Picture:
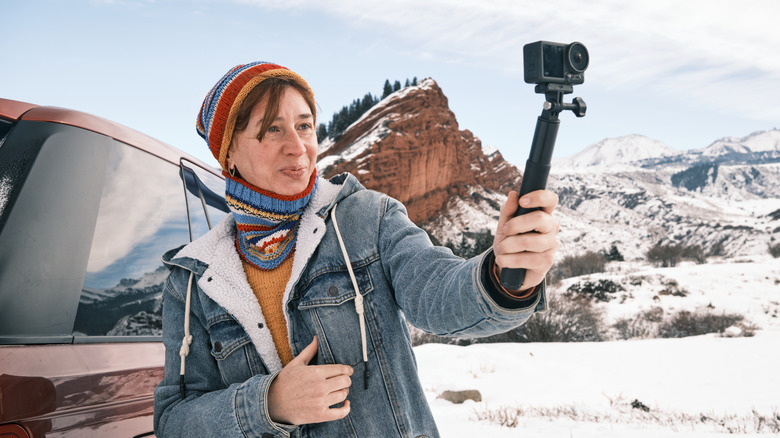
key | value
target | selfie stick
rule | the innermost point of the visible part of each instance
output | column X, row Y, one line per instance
column 537, row 168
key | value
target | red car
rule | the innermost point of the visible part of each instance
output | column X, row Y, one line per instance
column 87, row 206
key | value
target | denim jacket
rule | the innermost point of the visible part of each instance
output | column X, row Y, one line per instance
column 401, row 277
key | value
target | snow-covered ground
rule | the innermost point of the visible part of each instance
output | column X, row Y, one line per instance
column 703, row 386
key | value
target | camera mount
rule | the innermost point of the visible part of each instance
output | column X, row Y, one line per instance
column 554, row 99
column 555, row 69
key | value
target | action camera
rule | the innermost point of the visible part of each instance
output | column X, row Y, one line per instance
column 547, row 62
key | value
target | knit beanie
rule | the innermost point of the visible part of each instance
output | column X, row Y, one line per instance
column 217, row 116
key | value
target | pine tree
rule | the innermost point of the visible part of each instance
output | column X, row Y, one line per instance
column 367, row 103
column 341, row 123
column 397, row 86
column 352, row 113
column 322, row 132
column 388, row 89
column 414, row 81
column 407, row 83
column 614, row 255
column 349, row 114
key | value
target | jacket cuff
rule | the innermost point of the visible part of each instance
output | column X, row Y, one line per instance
column 252, row 409
column 500, row 295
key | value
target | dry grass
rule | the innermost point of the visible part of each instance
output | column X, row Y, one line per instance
column 636, row 412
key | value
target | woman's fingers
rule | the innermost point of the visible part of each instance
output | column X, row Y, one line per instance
column 544, row 199
column 337, row 397
column 536, row 221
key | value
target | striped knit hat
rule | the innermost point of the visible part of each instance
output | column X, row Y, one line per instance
column 217, row 116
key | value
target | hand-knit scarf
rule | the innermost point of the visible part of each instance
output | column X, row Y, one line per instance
column 266, row 223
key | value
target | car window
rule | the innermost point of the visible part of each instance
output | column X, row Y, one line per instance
column 84, row 220
column 142, row 214
column 205, row 197
column 54, row 175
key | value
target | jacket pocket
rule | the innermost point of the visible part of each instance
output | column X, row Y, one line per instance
column 328, row 305
column 234, row 352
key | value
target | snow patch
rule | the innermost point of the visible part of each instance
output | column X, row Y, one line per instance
column 489, row 150
column 361, row 145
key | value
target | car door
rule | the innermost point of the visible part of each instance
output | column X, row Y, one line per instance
column 84, row 218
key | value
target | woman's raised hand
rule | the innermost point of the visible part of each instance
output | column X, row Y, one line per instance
column 528, row 241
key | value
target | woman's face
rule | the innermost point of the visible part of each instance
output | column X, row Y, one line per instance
column 284, row 160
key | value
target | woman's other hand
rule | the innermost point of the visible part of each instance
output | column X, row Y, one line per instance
column 303, row 393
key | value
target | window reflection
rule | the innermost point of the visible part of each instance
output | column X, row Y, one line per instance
column 142, row 215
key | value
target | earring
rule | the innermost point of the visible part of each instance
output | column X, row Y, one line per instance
column 232, row 171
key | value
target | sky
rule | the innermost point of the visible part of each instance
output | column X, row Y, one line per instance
column 683, row 72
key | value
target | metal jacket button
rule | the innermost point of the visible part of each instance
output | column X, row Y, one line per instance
column 217, row 346
column 333, row 291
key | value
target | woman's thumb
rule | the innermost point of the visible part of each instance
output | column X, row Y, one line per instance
column 308, row 353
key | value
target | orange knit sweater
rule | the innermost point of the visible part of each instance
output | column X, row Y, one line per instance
column 268, row 287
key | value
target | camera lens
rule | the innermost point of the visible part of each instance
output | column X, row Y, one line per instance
column 577, row 56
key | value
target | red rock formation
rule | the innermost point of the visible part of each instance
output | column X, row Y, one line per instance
column 409, row 146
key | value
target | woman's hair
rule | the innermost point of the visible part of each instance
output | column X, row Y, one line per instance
column 272, row 88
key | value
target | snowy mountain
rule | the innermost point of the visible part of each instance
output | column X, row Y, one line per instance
column 724, row 198
column 640, row 151
column 765, row 141
column 619, row 151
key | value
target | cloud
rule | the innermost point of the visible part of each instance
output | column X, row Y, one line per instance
column 718, row 53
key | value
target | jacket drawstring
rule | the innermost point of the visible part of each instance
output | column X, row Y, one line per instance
column 187, row 340
column 358, row 300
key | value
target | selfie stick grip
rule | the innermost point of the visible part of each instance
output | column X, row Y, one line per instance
column 537, row 169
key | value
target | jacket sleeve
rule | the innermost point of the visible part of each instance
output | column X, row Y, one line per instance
column 209, row 407
column 440, row 292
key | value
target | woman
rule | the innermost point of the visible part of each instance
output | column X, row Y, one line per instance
column 289, row 317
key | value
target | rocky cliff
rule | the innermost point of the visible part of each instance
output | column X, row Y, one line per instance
column 410, row 147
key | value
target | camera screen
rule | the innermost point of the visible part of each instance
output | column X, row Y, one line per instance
column 553, row 60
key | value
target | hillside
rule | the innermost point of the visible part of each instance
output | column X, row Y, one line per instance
column 730, row 214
